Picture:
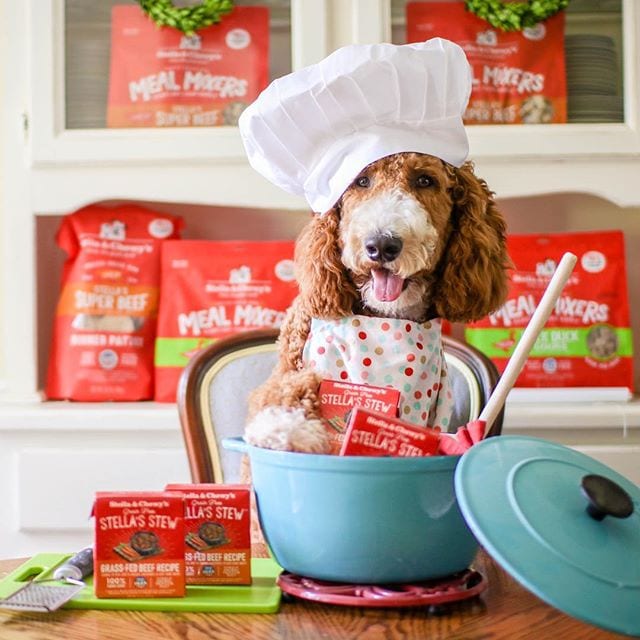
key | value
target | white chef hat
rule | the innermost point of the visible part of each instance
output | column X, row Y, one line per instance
column 311, row 132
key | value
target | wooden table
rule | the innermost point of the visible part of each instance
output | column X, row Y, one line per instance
column 504, row 610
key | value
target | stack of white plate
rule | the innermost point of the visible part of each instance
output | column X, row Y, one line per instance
column 592, row 79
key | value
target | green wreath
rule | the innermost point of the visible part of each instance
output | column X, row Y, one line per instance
column 187, row 19
column 515, row 16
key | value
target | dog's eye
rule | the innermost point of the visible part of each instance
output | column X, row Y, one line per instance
column 423, row 181
column 363, row 181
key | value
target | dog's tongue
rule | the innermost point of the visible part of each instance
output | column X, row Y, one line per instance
column 386, row 285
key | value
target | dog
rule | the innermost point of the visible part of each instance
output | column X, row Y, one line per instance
column 412, row 238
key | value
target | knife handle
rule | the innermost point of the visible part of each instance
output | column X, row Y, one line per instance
column 77, row 567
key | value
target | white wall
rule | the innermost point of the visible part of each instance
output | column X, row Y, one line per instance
column 3, row 58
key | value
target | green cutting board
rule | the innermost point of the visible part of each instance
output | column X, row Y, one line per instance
column 262, row 596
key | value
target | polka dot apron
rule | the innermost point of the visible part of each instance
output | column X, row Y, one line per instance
column 386, row 352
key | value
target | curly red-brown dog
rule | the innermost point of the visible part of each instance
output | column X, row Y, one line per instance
column 413, row 239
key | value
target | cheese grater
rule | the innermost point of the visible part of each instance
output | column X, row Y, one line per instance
column 52, row 593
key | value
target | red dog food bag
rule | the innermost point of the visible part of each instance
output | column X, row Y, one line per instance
column 162, row 78
column 518, row 77
column 105, row 321
column 138, row 550
column 587, row 340
column 217, row 540
column 212, row 289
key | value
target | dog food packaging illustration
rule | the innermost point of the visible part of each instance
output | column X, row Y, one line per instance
column 217, row 541
column 403, row 355
column 162, row 78
column 373, row 434
column 214, row 289
column 139, row 544
column 105, row 321
column 587, row 341
column 518, row 77
column 338, row 399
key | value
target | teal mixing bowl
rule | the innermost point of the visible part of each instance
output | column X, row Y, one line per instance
column 360, row 519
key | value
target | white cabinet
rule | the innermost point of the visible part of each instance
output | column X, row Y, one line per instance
column 50, row 169
column 54, row 457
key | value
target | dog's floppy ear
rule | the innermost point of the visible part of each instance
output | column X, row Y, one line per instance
column 473, row 271
column 326, row 290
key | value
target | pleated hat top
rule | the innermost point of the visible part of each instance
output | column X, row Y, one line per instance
column 312, row 131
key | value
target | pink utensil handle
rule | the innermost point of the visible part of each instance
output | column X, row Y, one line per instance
column 527, row 340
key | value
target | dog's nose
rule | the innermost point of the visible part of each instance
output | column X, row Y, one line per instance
column 383, row 248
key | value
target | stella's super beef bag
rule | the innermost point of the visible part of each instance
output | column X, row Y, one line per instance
column 213, row 289
column 518, row 77
column 105, row 321
column 587, row 340
column 161, row 78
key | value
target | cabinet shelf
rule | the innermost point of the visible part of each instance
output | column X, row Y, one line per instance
column 89, row 417
column 556, row 159
column 106, row 148
column 154, row 416
column 573, row 415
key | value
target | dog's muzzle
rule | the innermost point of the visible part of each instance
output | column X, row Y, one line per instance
column 381, row 248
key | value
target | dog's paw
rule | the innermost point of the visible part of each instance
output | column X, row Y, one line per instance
column 287, row 391
column 287, row 430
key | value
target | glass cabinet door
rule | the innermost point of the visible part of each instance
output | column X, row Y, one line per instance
column 70, row 52
column 581, row 63
column 88, row 38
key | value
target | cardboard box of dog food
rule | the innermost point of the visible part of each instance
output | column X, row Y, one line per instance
column 371, row 434
column 139, row 538
column 337, row 399
column 217, row 537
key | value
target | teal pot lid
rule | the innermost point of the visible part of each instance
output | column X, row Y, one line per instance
column 564, row 525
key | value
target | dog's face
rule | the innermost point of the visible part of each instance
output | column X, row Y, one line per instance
column 412, row 237
column 394, row 225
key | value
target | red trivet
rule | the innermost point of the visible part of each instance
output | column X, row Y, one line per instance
column 460, row 586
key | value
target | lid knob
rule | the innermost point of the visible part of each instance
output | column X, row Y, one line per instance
column 606, row 498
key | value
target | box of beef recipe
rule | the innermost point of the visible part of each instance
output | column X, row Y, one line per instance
column 138, row 551
column 217, row 536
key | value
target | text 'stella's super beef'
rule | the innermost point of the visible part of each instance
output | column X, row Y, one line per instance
column 105, row 322
column 213, row 289
column 162, row 78
column 587, row 340
column 518, row 76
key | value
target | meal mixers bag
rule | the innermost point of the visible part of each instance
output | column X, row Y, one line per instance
column 587, row 340
column 105, row 321
column 518, row 77
column 161, row 78
column 213, row 289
